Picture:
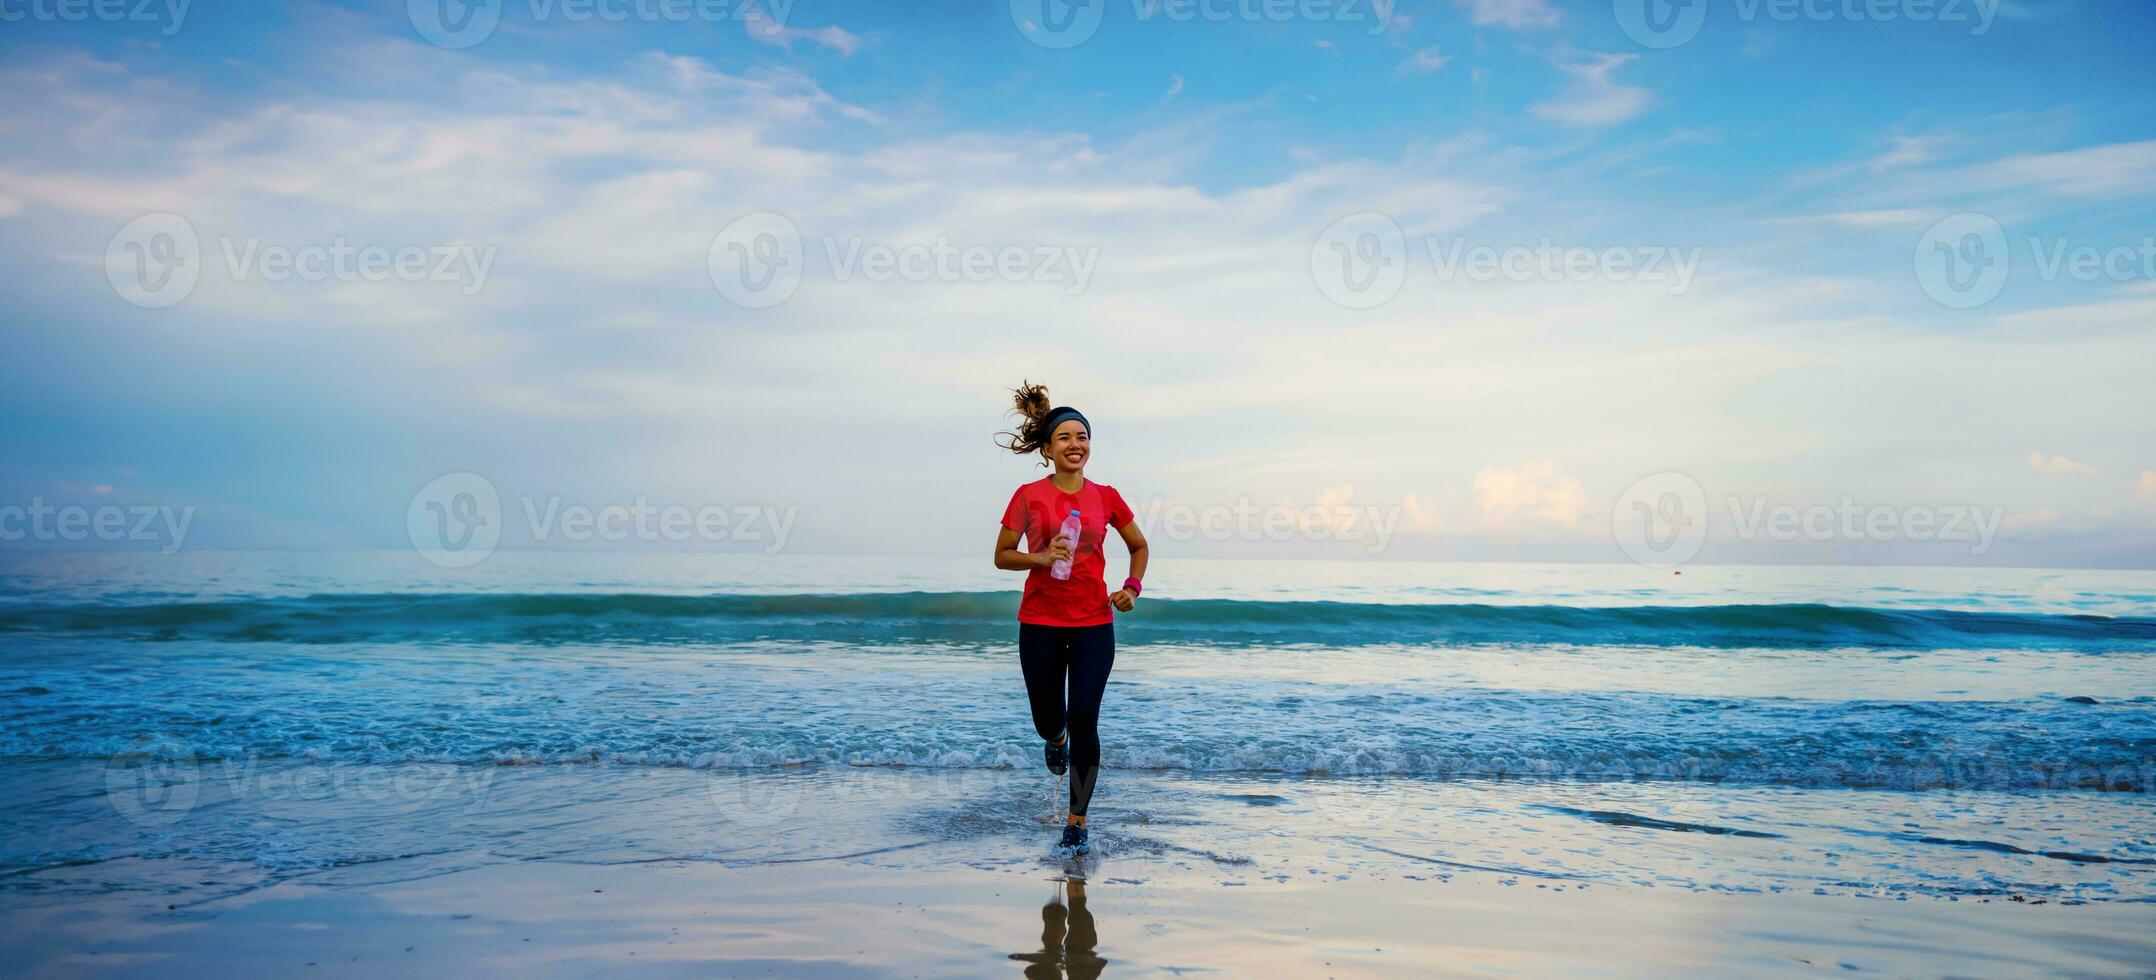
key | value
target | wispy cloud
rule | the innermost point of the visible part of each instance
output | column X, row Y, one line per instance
column 1907, row 151
column 1423, row 62
column 2109, row 171
column 764, row 28
column 1594, row 99
column 1881, row 218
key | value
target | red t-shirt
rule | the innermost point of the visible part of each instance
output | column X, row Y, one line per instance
column 1037, row 511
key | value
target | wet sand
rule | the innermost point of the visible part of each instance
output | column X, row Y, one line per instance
column 845, row 917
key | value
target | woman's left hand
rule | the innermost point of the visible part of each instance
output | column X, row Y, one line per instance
column 1122, row 600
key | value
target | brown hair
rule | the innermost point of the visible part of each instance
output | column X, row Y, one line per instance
column 1030, row 404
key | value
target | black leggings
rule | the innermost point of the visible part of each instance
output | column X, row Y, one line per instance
column 1086, row 654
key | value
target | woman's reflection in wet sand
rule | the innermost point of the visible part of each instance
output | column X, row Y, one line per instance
column 1067, row 939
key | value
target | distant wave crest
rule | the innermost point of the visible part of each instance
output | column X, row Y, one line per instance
column 983, row 616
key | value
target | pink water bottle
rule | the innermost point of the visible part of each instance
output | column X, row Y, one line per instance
column 1061, row 570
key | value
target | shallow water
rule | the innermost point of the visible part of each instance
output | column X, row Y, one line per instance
column 200, row 724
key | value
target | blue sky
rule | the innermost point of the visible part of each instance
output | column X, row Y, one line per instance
column 1803, row 157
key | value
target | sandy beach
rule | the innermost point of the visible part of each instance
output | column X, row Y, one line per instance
column 598, row 870
column 840, row 917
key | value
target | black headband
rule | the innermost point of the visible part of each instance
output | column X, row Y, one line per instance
column 1057, row 416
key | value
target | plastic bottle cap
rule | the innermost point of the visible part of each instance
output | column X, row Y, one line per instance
column 1074, row 513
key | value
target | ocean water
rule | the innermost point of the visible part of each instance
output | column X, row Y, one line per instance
column 202, row 724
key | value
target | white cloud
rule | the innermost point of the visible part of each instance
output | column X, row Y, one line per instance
column 1535, row 490
column 1175, row 87
column 9, row 207
column 764, row 29
column 1510, row 13
column 1423, row 62
column 2147, row 486
column 1594, row 99
column 1879, row 218
column 2110, row 171
column 2059, row 466
column 1908, row 151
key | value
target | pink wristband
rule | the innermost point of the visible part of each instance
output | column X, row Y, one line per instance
column 1136, row 587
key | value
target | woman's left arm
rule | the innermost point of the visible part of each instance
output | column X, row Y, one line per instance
column 1133, row 539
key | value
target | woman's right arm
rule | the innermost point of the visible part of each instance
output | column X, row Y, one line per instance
column 1010, row 559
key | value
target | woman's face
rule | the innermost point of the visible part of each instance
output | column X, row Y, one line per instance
column 1068, row 446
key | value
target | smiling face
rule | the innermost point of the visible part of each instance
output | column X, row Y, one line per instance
column 1068, row 446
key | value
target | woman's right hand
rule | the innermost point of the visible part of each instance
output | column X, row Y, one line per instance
column 1058, row 550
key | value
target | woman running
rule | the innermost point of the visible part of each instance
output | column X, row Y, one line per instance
column 1066, row 627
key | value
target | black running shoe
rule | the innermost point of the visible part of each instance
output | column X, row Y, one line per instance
column 1073, row 837
column 1059, row 757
